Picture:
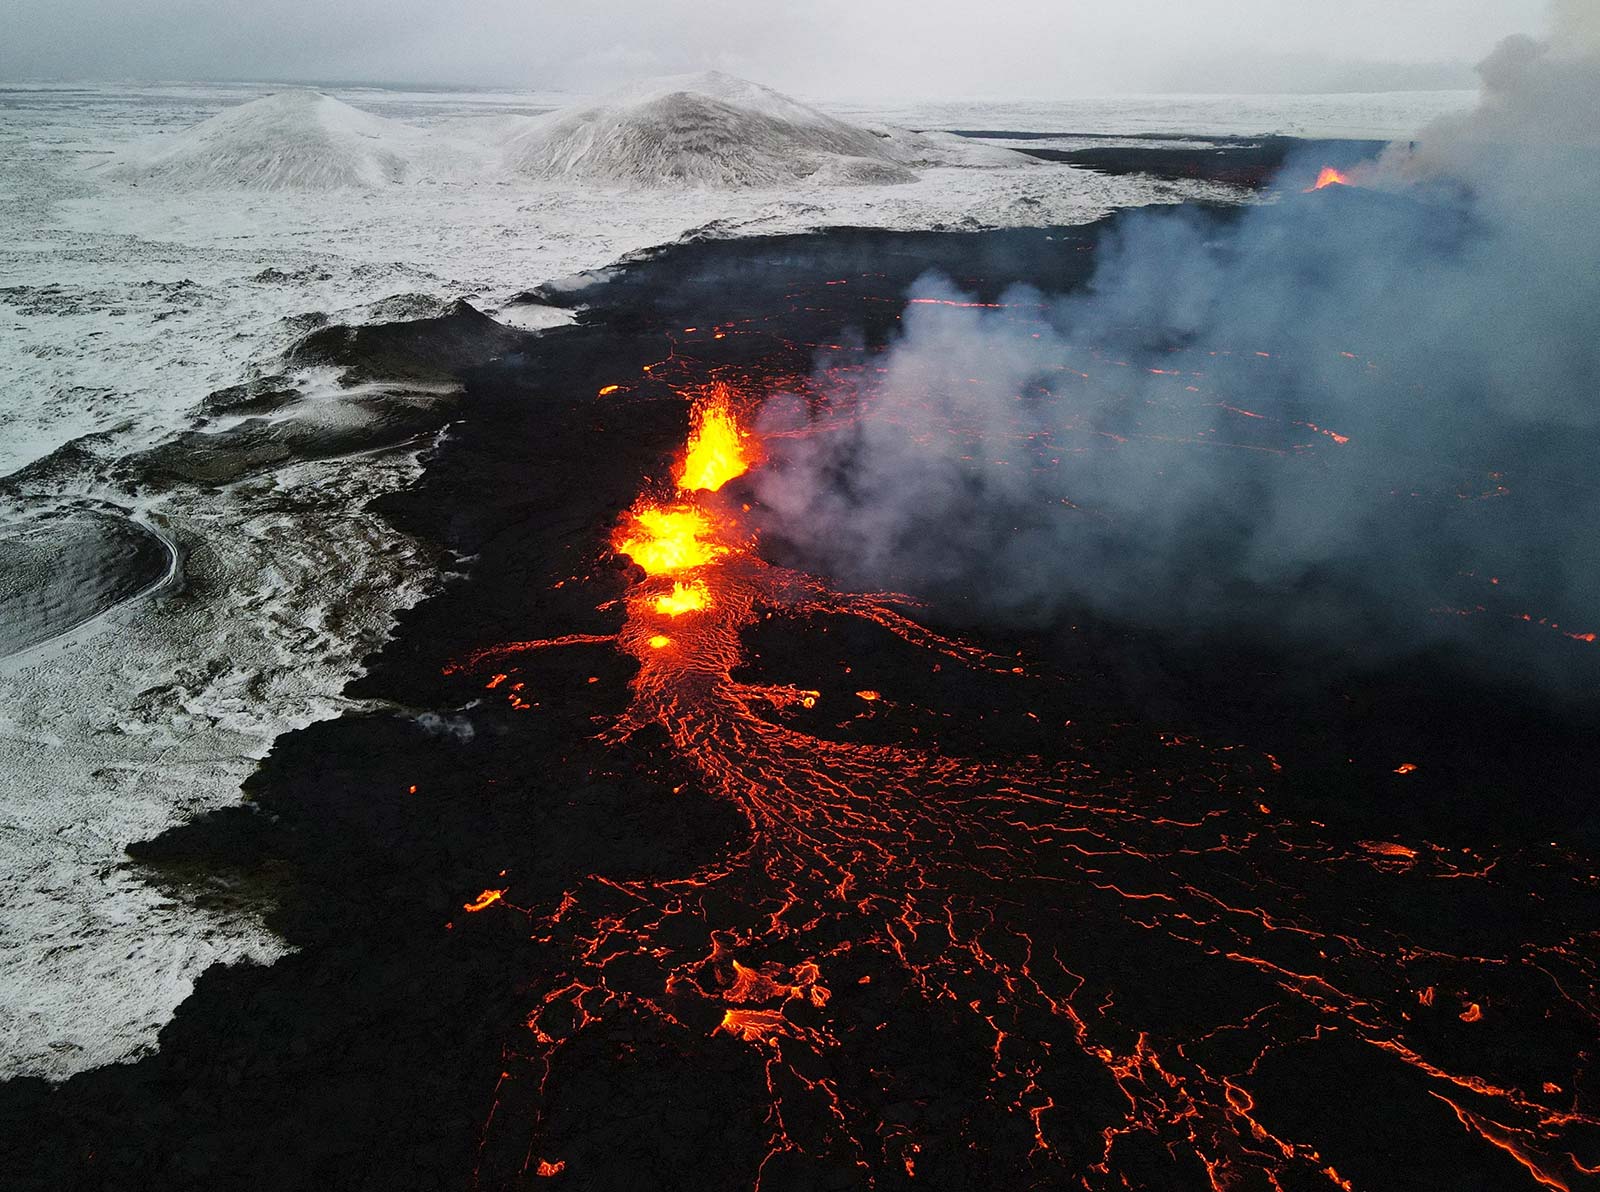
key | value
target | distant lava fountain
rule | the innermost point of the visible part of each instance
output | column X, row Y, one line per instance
column 1019, row 903
column 1329, row 177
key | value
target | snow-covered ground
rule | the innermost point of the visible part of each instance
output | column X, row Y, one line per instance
column 123, row 305
column 125, row 302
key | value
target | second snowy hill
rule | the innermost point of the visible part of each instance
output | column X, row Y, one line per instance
column 711, row 130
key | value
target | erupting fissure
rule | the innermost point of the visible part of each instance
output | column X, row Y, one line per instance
column 1329, row 177
column 718, row 449
column 878, row 876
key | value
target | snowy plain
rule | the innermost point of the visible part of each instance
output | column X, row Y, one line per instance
column 122, row 306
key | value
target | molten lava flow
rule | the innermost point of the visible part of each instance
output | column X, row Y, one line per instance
column 668, row 539
column 1329, row 177
column 717, row 451
column 754, row 1026
column 483, row 901
column 997, row 898
column 684, row 598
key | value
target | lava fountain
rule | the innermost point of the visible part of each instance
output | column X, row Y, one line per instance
column 1329, row 177
column 718, row 450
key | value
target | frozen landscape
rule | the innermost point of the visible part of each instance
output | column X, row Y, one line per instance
column 164, row 243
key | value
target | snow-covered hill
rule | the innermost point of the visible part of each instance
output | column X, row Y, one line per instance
column 709, row 131
column 295, row 140
column 699, row 130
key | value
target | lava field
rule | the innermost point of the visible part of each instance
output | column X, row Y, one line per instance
column 659, row 861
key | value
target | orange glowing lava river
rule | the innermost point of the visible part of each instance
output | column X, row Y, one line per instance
column 882, row 885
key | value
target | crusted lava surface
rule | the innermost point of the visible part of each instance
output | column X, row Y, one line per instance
column 1249, row 162
column 800, row 888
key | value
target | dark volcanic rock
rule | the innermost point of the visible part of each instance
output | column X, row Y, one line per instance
column 264, row 396
column 433, row 349
column 304, row 430
column 1246, row 162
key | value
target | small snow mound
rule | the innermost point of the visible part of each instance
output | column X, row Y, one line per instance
column 861, row 171
column 294, row 140
column 948, row 149
column 709, row 130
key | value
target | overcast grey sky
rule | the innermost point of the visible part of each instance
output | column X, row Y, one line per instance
column 815, row 47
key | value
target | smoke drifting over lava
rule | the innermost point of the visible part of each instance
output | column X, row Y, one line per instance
column 1293, row 420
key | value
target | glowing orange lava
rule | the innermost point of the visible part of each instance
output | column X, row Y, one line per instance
column 1329, row 177
column 684, row 598
column 483, row 901
column 665, row 539
column 926, row 867
column 754, row 1026
column 717, row 450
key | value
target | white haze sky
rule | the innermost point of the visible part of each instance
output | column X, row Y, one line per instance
column 822, row 48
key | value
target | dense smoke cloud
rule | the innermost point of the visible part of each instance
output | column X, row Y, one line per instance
column 1444, row 318
column 1576, row 24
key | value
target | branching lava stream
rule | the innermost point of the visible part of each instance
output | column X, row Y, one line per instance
column 1057, row 910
